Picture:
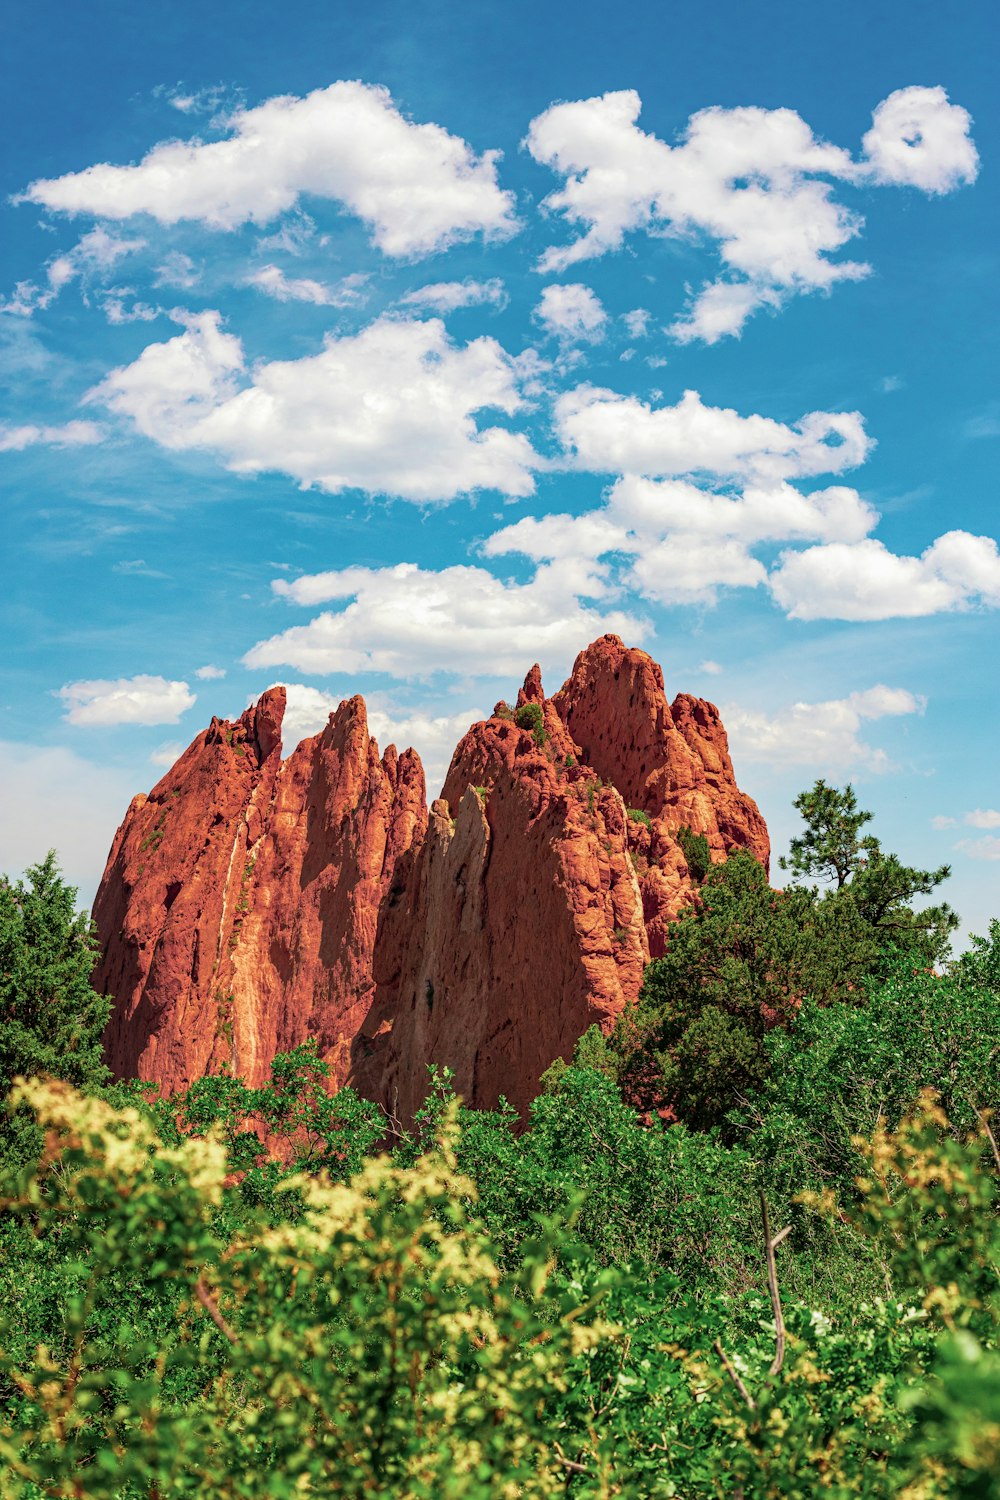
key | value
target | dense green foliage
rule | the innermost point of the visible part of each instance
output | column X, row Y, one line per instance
column 373, row 1339
column 749, row 1246
column 743, row 959
column 697, row 854
column 51, row 1021
column 740, row 959
column 293, row 1119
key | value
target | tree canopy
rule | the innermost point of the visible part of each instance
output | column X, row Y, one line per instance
column 832, row 849
column 51, row 1020
column 743, row 958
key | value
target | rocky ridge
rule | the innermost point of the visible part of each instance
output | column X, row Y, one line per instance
column 238, row 911
column 250, row 902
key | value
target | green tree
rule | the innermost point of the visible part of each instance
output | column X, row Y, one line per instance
column 697, row 854
column 530, row 716
column 833, row 849
column 740, row 961
column 844, row 1070
column 51, row 1020
column 980, row 966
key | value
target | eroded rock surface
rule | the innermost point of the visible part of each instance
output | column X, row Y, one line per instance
column 518, row 926
column 537, row 899
column 238, row 911
column 669, row 760
column 250, row 903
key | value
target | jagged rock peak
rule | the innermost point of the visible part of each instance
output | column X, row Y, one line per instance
column 251, row 902
column 669, row 761
column 517, row 926
column 238, row 909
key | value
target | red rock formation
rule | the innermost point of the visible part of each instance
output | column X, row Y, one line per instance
column 518, row 926
column 250, row 903
column 670, row 761
column 238, row 910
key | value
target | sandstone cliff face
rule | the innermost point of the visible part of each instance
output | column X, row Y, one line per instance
column 238, row 910
column 668, row 760
column 249, row 903
column 518, row 926
column 536, row 901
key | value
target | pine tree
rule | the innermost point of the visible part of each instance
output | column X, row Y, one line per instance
column 51, row 1020
column 878, row 885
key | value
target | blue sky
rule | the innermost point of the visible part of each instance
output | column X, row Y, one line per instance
column 391, row 352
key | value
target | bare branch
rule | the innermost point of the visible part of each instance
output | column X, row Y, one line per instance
column 569, row 1463
column 205, row 1298
column 772, row 1286
column 983, row 1115
column 734, row 1376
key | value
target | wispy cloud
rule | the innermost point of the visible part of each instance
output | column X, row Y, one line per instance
column 271, row 280
column 68, row 435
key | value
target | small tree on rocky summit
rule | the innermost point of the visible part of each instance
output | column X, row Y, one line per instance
column 530, row 716
column 881, row 888
column 51, row 1020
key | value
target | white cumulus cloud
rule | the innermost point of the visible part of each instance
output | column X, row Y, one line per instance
column 825, row 735
column 571, row 311
column 722, row 307
column 390, row 410
column 690, row 569
column 172, row 387
column 863, row 580
column 417, row 188
column 411, row 621
column 753, row 181
column 127, row 700
column 210, row 673
column 772, row 512
column 919, row 139
column 678, row 543
column 616, row 434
